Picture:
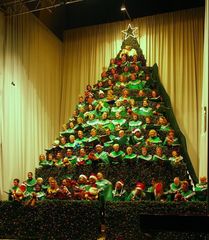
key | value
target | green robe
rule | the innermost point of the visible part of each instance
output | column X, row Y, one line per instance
column 175, row 142
column 50, row 163
column 30, row 185
column 44, row 187
column 84, row 159
column 81, row 114
column 188, row 195
column 130, row 156
column 11, row 191
column 141, row 75
column 106, row 124
column 110, row 99
column 119, row 195
column 82, row 141
column 154, row 140
column 119, row 121
column 103, row 80
column 88, row 161
column 135, row 85
column 72, row 160
column 137, row 141
column 117, row 154
column 105, row 104
column 71, row 145
column 148, row 157
column 126, row 74
column 93, row 123
column 174, row 187
column 94, row 112
column 145, row 111
column 130, row 159
column 133, row 197
column 109, row 143
column 62, row 146
column 124, row 99
column 121, row 110
column 155, row 157
column 43, row 163
column 80, row 105
column 138, row 63
column 201, row 191
column 106, row 189
column 81, row 126
column 147, row 126
column 201, row 186
column 135, row 110
column 116, row 157
column 165, row 128
column 67, row 132
column 39, row 196
column 150, row 189
column 94, row 103
column 84, row 187
column 112, row 66
column 134, row 124
column 120, row 84
column 155, row 99
column 58, row 162
column 123, row 64
column 176, row 159
column 103, row 156
column 122, row 140
column 91, row 139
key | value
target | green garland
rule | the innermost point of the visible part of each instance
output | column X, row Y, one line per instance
column 123, row 218
column 50, row 220
column 142, row 171
column 80, row 220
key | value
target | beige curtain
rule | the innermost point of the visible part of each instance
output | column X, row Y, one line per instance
column 173, row 40
column 203, row 144
column 31, row 95
column 2, row 34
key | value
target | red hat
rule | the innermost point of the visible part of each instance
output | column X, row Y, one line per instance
column 99, row 145
column 120, row 182
column 136, row 130
column 140, row 186
column 84, row 176
column 20, row 191
column 23, row 187
column 93, row 176
column 158, row 187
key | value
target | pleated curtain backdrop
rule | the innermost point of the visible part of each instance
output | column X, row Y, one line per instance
column 203, row 143
column 2, row 34
column 173, row 40
column 31, row 95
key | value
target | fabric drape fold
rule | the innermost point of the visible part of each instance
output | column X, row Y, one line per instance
column 203, row 143
column 31, row 93
column 2, row 34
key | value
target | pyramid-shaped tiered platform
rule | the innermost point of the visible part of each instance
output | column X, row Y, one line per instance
column 123, row 126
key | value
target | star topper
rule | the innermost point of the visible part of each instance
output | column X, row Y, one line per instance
column 130, row 32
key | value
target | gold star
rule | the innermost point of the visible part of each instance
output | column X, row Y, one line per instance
column 129, row 32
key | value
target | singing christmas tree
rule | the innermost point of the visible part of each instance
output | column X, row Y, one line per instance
column 123, row 127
